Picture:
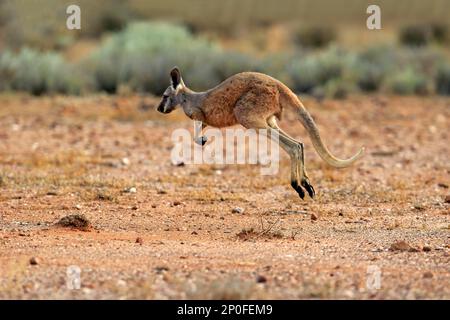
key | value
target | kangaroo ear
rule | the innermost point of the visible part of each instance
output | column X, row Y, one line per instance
column 175, row 77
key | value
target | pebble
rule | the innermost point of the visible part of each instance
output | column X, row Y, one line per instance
column 447, row 198
column 428, row 275
column 314, row 217
column 125, row 161
column 34, row 261
column 261, row 279
column 161, row 191
column 139, row 240
column 130, row 190
column 237, row 210
column 400, row 246
column 426, row 248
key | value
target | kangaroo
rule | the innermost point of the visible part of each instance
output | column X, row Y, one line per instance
column 254, row 100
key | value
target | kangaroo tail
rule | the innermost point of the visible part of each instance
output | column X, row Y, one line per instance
column 322, row 150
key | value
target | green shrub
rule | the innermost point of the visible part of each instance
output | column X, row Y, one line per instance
column 313, row 70
column 443, row 79
column 439, row 32
column 37, row 73
column 314, row 37
column 142, row 55
column 409, row 81
column 415, row 35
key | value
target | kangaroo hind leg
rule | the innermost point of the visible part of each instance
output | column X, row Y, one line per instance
column 300, row 154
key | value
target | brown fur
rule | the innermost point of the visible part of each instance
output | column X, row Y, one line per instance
column 254, row 100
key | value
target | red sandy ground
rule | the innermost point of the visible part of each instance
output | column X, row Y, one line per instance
column 62, row 156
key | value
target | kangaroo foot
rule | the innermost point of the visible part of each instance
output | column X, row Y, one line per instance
column 201, row 140
column 297, row 188
column 309, row 188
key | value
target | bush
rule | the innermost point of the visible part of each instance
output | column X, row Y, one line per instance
column 37, row 73
column 313, row 70
column 443, row 79
column 142, row 55
column 314, row 37
column 409, row 81
column 415, row 35
column 439, row 32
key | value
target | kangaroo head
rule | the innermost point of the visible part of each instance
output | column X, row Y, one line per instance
column 173, row 95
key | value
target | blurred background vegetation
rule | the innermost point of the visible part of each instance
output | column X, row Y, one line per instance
column 317, row 47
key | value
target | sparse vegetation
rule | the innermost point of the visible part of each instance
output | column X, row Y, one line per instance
column 314, row 37
column 138, row 58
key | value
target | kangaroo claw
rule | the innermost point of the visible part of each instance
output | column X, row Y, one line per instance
column 309, row 188
column 201, row 140
column 297, row 188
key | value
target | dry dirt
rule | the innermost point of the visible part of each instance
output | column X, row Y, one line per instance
column 176, row 235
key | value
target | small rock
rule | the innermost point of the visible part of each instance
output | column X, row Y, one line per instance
column 76, row 221
column 176, row 203
column 178, row 163
column 161, row 191
column 139, row 240
column 134, row 208
column 34, row 261
column 194, row 233
column 261, row 279
column 78, row 207
column 125, row 161
column 154, row 206
column 161, row 269
column 237, row 210
column 447, row 198
column 442, row 185
column 314, row 216
column 428, row 275
column 400, row 246
column 130, row 190
column 426, row 248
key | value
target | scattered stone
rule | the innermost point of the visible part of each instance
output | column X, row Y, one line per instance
column 442, row 185
column 130, row 190
column 34, row 261
column 237, row 210
column 75, row 221
column 52, row 193
column 134, row 208
column 400, row 246
column 194, row 233
column 161, row 191
column 161, row 269
column 78, row 206
column 426, row 248
column 428, row 275
column 261, row 279
column 447, row 198
column 154, row 206
column 139, row 240
column 176, row 203
column 179, row 164
column 125, row 161
column 314, row 216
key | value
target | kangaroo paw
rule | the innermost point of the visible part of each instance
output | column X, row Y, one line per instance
column 201, row 140
column 309, row 188
column 297, row 188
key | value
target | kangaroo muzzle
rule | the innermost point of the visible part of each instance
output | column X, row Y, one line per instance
column 163, row 105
